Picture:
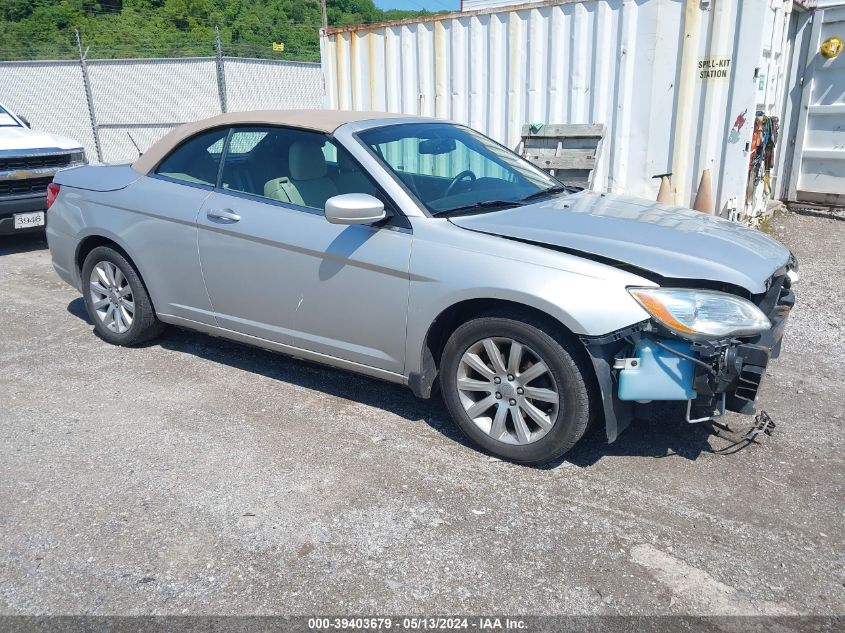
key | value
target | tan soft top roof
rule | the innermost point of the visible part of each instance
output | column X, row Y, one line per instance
column 318, row 120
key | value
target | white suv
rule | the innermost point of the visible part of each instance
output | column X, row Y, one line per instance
column 28, row 162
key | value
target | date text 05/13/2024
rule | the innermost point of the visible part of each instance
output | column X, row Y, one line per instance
column 480, row 623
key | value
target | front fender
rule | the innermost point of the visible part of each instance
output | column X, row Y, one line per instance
column 587, row 298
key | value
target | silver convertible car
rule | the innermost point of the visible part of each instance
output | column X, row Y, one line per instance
column 421, row 252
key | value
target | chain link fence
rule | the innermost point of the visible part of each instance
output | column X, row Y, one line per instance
column 117, row 108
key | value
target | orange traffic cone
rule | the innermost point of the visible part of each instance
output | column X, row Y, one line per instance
column 704, row 197
column 664, row 194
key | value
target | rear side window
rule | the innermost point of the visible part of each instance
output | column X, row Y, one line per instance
column 196, row 160
column 293, row 166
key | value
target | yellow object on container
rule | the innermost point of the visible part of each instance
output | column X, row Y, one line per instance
column 831, row 48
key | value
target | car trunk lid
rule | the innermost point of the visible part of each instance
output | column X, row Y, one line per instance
column 98, row 177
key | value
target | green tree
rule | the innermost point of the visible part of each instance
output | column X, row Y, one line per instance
column 44, row 29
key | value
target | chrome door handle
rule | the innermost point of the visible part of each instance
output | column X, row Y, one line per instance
column 222, row 215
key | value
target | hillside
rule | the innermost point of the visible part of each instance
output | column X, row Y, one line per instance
column 44, row 29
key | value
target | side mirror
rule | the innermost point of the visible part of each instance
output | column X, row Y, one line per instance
column 25, row 121
column 354, row 208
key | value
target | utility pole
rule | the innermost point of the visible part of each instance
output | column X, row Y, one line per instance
column 325, row 14
column 89, row 97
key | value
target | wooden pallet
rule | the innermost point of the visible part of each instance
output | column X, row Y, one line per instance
column 569, row 152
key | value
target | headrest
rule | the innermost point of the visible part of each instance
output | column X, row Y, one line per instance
column 307, row 161
column 345, row 162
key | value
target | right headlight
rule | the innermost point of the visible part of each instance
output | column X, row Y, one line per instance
column 701, row 314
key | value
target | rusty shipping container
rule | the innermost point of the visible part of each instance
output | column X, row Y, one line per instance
column 677, row 83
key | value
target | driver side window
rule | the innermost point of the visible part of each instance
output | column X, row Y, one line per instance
column 435, row 167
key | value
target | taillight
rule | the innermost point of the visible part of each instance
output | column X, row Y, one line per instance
column 52, row 192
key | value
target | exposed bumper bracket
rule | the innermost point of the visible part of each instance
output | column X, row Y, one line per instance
column 716, row 414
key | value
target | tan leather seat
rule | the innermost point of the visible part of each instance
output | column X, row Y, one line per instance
column 307, row 184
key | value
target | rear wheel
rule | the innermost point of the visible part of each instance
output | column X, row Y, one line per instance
column 515, row 389
column 116, row 299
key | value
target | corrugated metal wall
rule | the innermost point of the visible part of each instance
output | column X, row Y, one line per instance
column 777, row 51
column 473, row 5
column 616, row 62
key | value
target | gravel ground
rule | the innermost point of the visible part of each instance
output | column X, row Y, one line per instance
column 198, row 476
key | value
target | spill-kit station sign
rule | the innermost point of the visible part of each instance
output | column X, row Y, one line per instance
column 714, row 68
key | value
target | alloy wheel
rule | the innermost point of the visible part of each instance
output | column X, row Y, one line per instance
column 507, row 390
column 111, row 297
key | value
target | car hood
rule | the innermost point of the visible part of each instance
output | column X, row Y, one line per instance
column 16, row 138
column 669, row 241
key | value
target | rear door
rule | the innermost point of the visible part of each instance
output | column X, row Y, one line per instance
column 163, row 233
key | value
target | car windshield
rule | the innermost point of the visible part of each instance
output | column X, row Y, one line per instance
column 452, row 169
column 6, row 119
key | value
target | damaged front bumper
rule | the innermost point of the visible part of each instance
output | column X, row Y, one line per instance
column 642, row 364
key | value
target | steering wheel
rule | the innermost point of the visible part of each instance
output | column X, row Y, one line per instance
column 467, row 173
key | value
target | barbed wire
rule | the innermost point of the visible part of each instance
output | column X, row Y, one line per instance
column 111, row 39
column 119, row 44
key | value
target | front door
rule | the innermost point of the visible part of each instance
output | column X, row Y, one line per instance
column 276, row 269
column 252, row 276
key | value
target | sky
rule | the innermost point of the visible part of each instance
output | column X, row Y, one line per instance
column 431, row 5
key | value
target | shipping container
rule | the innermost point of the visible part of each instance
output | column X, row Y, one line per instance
column 676, row 83
column 815, row 109
column 473, row 5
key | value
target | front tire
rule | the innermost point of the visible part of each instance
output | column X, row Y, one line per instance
column 515, row 388
column 116, row 300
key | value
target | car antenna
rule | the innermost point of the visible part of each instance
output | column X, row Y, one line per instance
column 138, row 149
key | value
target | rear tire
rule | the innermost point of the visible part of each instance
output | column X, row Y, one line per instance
column 117, row 300
column 513, row 409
